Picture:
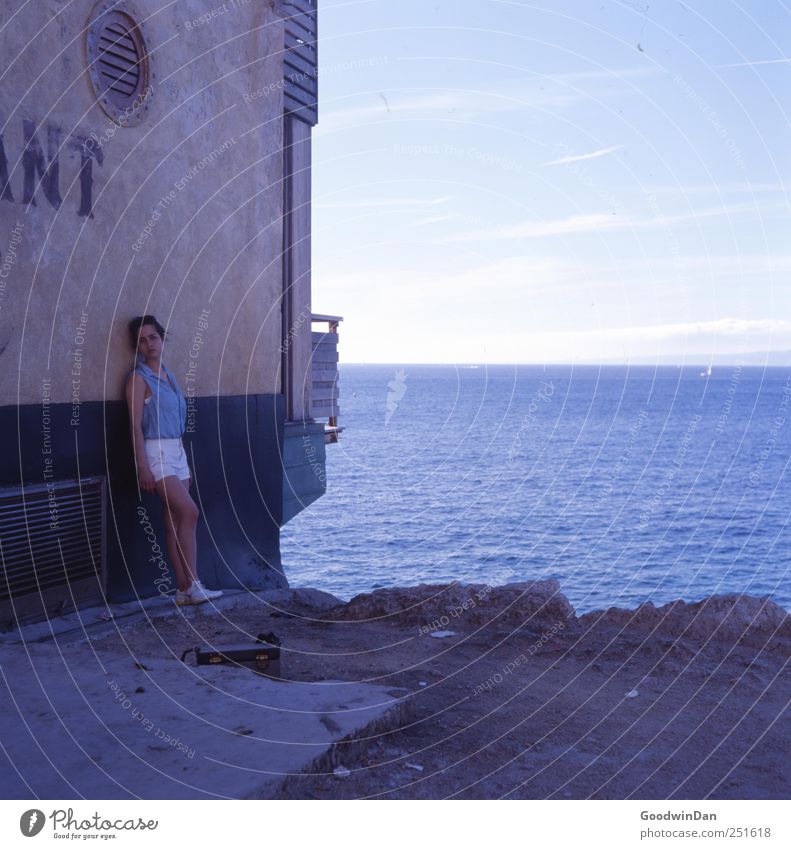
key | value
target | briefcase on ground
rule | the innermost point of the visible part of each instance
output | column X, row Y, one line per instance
column 263, row 656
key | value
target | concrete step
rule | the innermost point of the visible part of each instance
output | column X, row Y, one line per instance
column 86, row 717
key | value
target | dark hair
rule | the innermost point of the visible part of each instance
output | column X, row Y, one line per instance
column 136, row 323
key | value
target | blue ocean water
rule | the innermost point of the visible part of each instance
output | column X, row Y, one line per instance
column 626, row 484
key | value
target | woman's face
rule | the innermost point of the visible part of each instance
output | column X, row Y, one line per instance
column 150, row 343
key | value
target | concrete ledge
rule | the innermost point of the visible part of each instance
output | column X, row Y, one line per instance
column 352, row 747
column 86, row 716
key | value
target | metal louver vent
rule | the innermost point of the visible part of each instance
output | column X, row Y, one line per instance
column 119, row 59
column 118, row 63
column 300, row 59
column 51, row 547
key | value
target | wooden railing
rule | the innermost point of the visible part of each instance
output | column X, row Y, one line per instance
column 324, row 374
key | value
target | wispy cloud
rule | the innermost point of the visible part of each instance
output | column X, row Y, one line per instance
column 533, row 229
column 696, row 338
column 547, row 91
column 560, row 226
column 757, row 62
column 376, row 203
column 603, row 74
column 434, row 219
column 731, row 209
column 716, row 189
column 463, row 105
column 700, row 267
column 582, row 156
column 687, row 330
column 469, row 283
column 599, row 222
column 554, row 307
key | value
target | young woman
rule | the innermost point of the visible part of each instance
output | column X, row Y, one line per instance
column 157, row 416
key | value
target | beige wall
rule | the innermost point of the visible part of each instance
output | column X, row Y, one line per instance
column 210, row 266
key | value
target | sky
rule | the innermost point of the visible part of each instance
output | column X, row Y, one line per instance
column 509, row 182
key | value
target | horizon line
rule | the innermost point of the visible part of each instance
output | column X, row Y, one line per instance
column 691, row 363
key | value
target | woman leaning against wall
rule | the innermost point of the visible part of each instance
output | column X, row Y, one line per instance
column 157, row 418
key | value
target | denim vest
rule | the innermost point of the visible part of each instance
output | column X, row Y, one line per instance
column 165, row 412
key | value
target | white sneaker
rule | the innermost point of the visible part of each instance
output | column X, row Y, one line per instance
column 196, row 594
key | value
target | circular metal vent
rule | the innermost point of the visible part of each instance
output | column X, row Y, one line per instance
column 118, row 63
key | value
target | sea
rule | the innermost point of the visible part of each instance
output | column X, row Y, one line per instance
column 625, row 483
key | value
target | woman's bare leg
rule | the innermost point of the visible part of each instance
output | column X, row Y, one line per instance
column 192, row 567
column 181, row 521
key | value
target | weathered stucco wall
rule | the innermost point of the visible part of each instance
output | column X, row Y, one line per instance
column 185, row 220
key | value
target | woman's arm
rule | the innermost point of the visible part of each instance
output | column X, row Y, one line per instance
column 135, row 397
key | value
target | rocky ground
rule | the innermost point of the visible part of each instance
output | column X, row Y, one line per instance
column 523, row 699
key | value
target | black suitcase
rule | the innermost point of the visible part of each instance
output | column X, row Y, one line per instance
column 262, row 657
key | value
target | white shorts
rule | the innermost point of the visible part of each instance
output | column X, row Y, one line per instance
column 167, row 457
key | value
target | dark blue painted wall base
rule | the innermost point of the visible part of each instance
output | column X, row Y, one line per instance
column 234, row 450
column 304, row 467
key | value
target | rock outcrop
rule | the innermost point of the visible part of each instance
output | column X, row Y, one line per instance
column 536, row 606
column 300, row 600
column 433, row 607
column 729, row 617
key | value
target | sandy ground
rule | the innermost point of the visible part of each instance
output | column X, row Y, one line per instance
column 537, row 712
column 524, row 699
